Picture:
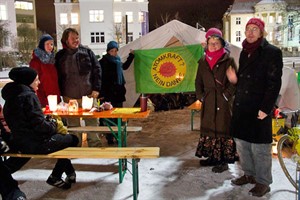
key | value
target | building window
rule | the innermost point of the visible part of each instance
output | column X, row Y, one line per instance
column 130, row 36
column 74, row 18
column 271, row 19
column 63, row 18
column 238, row 21
column 141, row 17
column 23, row 5
column 97, row 37
column 118, row 17
column 128, row 0
column 129, row 17
column 25, row 18
column 290, row 28
column 3, row 12
column 140, row 0
column 96, row 15
column 279, row 19
column 238, row 36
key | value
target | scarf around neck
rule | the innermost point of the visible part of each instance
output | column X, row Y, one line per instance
column 117, row 60
column 251, row 47
column 46, row 58
column 213, row 57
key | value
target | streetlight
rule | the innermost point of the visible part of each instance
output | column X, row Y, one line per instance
column 200, row 27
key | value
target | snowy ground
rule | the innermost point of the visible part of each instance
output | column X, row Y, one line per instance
column 175, row 175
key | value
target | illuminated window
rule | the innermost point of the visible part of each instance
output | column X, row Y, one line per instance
column 74, row 18
column 140, row 0
column 3, row 12
column 130, row 36
column 23, row 5
column 97, row 37
column 141, row 17
column 271, row 19
column 129, row 17
column 128, row 0
column 96, row 15
column 237, row 20
column 118, row 17
column 279, row 20
column 63, row 18
column 238, row 36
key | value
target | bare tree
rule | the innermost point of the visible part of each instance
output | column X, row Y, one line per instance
column 167, row 18
column 6, row 59
column 27, row 40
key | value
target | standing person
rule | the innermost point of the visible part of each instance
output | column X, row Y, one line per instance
column 43, row 62
column 113, row 83
column 259, row 82
column 215, row 92
column 79, row 74
column 31, row 132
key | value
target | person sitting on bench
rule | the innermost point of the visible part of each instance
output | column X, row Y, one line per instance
column 32, row 133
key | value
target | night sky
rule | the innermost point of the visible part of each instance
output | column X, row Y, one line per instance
column 208, row 13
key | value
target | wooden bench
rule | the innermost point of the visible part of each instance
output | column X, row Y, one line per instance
column 124, row 153
column 104, row 129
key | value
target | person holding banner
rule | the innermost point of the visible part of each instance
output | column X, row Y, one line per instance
column 113, row 83
column 215, row 88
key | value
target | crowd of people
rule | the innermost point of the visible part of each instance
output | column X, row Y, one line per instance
column 235, row 115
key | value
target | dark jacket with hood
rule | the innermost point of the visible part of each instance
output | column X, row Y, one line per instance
column 259, row 82
column 24, row 116
column 111, row 90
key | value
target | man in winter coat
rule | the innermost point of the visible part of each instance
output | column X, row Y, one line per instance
column 258, row 85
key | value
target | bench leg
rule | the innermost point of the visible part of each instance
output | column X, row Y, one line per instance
column 192, row 119
column 135, row 178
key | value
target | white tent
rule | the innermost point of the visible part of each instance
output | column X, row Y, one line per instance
column 174, row 33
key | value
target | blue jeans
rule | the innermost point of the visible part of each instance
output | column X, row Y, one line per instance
column 255, row 160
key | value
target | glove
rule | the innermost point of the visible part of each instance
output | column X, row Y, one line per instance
column 3, row 147
column 60, row 128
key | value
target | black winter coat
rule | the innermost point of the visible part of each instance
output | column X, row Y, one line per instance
column 259, row 82
column 24, row 116
column 111, row 91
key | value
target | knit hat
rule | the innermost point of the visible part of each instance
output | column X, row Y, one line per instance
column 43, row 39
column 22, row 75
column 216, row 33
column 111, row 45
column 258, row 22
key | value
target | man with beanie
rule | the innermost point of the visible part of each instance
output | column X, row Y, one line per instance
column 79, row 74
column 113, row 83
column 31, row 132
column 43, row 62
column 258, row 85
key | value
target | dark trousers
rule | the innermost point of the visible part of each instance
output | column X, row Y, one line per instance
column 55, row 143
column 7, row 183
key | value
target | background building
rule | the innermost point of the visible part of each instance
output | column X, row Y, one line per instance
column 282, row 19
column 100, row 21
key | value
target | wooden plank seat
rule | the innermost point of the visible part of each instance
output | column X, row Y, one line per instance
column 134, row 153
column 102, row 129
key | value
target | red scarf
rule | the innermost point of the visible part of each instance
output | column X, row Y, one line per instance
column 251, row 47
column 213, row 57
